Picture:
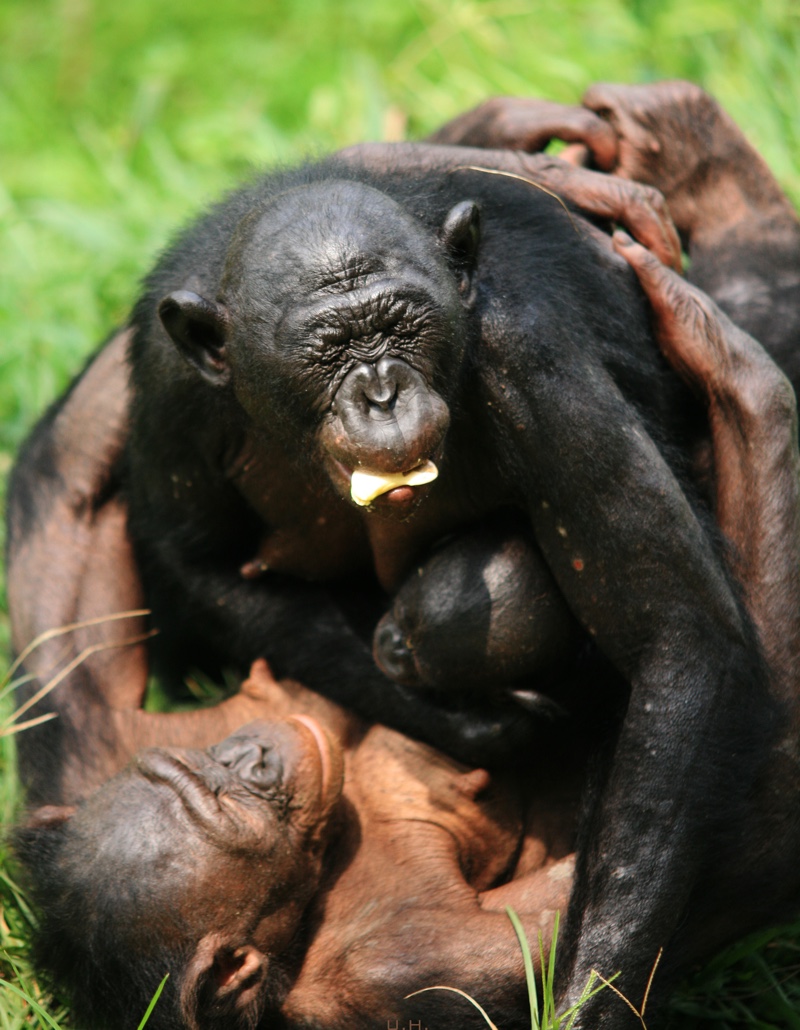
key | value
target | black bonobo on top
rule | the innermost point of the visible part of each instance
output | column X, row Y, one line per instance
column 339, row 365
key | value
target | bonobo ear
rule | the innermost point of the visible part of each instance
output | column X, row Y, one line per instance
column 224, row 985
column 198, row 327
column 461, row 234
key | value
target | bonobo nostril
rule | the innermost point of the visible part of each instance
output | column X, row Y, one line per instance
column 386, row 418
column 379, row 385
column 253, row 762
column 393, row 654
column 383, row 400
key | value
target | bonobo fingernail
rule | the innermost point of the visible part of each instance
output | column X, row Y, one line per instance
column 622, row 238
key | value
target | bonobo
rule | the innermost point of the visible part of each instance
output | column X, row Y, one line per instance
column 536, row 339
column 270, row 899
column 325, row 336
column 245, row 872
column 351, row 327
column 481, row 611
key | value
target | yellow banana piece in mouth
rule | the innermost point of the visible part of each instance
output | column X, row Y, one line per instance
column 366, row 486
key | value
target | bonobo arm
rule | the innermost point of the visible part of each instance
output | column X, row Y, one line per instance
column 640, row 208
column 753, row 418
column 66, row 473
column 639, row 570
column 66, row 528
column 752, row 879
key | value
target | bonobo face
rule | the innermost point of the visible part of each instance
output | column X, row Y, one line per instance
column 254, row 812
column 266, row 781
column 342, row 324
column 210, row 853
column 199, row 863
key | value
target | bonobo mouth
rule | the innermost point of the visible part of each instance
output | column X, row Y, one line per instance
column 391, row 493
column 330, row 756
column 366, row 486
column 383, row 435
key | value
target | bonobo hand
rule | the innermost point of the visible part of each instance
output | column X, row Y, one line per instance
column 519, row 124
column 640, row 208
column 674, row 136
column 522, row 123
column 709, row 352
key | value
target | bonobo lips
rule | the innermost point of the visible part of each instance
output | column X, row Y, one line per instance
column 331, row 763
column 366, row 486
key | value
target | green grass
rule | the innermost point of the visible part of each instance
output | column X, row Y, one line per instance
column 119, row 121
column 541, row 995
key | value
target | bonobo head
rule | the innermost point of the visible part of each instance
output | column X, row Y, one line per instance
column 341, row 322
column 481, row 613
column 196, row 863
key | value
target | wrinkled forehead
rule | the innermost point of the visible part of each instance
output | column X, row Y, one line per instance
column 133, row 822
column 330, row 237
column 129, row 857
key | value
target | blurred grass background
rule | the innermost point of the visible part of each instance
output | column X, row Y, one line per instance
column 118, row 122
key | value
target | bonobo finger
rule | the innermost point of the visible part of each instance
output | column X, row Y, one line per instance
column 657, row 281
column 523, row 123
column 641, row 209
column 696, row 338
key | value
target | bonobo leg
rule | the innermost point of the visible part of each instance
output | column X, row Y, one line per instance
column 522, row 123
column 70, row 560
column 741, row 232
